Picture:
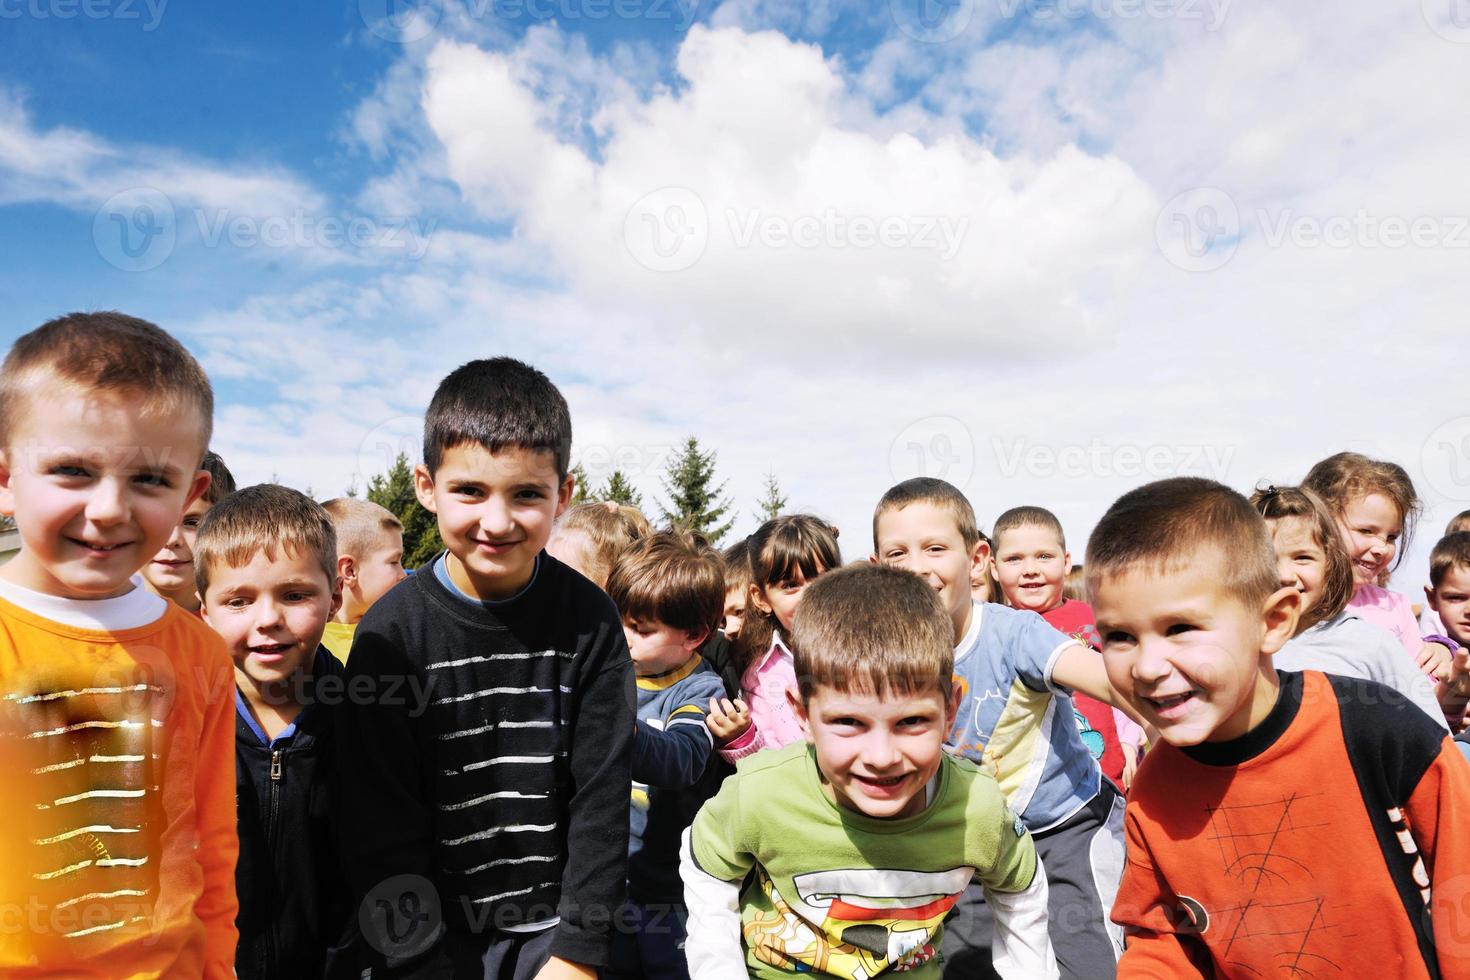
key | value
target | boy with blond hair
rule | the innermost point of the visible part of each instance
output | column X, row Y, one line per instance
column 170, row 573
column 1288, row 823
column 115, row 730
column 842, row 855
column 668, row 588
column 485, row 768
column 369, row 563
column 1015, row 674
column 265, row 565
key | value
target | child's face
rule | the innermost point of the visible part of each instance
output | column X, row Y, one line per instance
column 97, row 487
column 171, row 571
column 926, row 540
column 734, row 611
column 1451, row 600
column 495, row 512
column 658, row 648
column 780, row 598
column 876, row 754
column 1031, row 566
column 271, row 613
column 1370, row 527
column 380, row 569
column 1300, row 559
column 1188, row 655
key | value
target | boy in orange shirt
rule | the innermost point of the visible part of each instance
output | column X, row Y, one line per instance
column 1288, row 823
column 116, row 735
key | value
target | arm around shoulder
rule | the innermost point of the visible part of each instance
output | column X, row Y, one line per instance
column 712, row 866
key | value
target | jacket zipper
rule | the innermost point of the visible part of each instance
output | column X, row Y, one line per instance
column 277, row 758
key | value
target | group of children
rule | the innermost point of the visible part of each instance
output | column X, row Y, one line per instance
column 572, row 745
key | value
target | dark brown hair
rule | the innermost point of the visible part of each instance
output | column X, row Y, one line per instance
column 672, row 577
column 781, row 549
column 1028, row 517
column 221, row 480
column 498, row 403
column 1452, row 551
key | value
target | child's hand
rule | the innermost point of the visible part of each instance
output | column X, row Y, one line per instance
column 1436, row 660
column 1458, row 677
column 557, row 968
column 727, row 720
column 1130, row 765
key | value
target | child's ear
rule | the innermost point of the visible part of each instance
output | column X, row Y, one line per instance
column 758, row 599
column 694, row 638
column 1429, row 595
column 336, row 596
column 1281, row 613
column 346, row 571
column 952, row 709
column 979, row 555
column 793, row 697
column 423, row 487
column 564, row 494
column 196, row 489
column 7, row 496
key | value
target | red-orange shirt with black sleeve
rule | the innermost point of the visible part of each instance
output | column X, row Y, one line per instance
column 1322, row 844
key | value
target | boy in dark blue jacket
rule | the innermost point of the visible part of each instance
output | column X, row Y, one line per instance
column 669, row 590
column 266, row 568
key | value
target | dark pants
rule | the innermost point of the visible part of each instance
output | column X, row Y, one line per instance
column 649, row 943
column 499, row 955
column 1083, row 860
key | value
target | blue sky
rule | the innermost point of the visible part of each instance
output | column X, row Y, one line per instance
column 1048, row 250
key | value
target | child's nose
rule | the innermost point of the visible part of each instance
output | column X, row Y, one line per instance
column 108, row 503
column 1150, row 662
column 495, row 518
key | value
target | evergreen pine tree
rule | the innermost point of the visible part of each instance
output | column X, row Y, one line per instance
column 394, row 491
column 619, row 489
column 581, row 488
column 694, row 501
column 772, row 504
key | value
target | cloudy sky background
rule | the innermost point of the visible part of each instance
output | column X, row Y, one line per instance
column 1046, row 250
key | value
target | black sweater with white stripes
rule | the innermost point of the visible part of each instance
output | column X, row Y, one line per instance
column 485, row 768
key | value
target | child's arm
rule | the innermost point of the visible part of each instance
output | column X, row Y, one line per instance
column 1081, row 669
column 214, row 804
column 594, row 878
column 1015, row 889
column 735, row 731
column 713, row 865
column 678, row 755
column 1434, row 811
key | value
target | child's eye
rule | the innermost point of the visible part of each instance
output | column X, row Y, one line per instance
column 1117, row 637
column 1179, row 628
column 72, row 471
column 152, row 479
column 299, row 596
column 191, row 522
column 238, row 602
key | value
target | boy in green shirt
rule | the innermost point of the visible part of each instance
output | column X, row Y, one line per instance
column 863, row 837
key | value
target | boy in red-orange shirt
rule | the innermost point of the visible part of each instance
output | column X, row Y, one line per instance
column 1289, row 824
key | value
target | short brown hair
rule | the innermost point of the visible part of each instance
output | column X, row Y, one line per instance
column 258, row 520
column 1164, row 525
column 610, row 528
column 1460, row 522
column 359, row 524
column 781, row 549
column 737, row 566
column 1278, row 503
column 928, row 490
column 673, row 577
column 1452, row 551
column 1028, row 517
column 221, row 480
column 872, row 629
column 1341, row 478
column 109, row 352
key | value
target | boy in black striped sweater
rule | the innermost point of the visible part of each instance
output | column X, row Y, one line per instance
column 485, row 760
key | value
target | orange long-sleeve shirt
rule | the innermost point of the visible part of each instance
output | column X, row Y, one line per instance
column 117, row 798
column 1321, row 844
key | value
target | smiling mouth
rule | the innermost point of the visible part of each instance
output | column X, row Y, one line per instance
column 270, row 651
column 170, row 562
column 1171, row 705
column 100, row 548
column 887, row 782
